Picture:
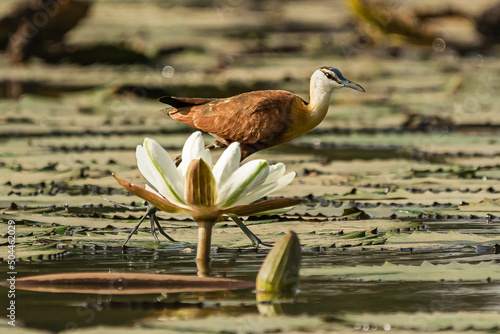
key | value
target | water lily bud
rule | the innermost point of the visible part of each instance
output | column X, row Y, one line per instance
column 279, row 273
column 200, row 184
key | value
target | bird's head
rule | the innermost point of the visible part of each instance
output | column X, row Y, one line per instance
column 330, row 78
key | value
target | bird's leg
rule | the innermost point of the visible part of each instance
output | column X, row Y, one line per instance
column 153, row 228
column 178, row 160
column 253, row 238
column 247, row 150
column 218, row 143
column 160, row 229
column 151, row 211
column 138, row 224
column 155, row 225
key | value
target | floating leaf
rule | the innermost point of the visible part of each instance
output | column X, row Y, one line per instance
column 484, row 271
column 125, row 283
column 427, row 239
column 424, row 322
column 354, row 213
column 486, row 205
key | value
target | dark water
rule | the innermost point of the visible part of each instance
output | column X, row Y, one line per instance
column 318, row 296
column 341, row 152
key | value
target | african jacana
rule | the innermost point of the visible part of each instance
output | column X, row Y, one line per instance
column 260, row 119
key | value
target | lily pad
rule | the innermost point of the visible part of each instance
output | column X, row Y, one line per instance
column 485, row 271
column 125, row 283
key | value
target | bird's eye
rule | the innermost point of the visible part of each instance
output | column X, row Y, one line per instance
column 329, row 76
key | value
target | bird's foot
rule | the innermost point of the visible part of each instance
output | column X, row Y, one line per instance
column 256, row 242
column 155, row 226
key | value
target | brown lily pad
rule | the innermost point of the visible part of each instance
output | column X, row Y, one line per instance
column 115, row 283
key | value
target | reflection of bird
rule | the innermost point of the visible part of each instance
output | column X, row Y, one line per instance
column 260, row 119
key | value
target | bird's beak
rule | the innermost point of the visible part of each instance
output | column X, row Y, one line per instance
column 353, row 85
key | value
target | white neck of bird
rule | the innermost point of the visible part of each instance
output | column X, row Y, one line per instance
column 320, row 91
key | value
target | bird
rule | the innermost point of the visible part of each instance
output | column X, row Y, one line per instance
column 259, row 119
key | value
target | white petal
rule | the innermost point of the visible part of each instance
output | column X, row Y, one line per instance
column 149, row 188
column 159, row 169
column 227, row 164
column 243, row 181
column 265, row 189
column 275, row 172
column 194, row 148
column 207, row 157
column 146, row 168
column 284, row 181
column 255, row 194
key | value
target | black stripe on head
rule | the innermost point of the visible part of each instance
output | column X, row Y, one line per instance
column 338, row 73
column 335, row 76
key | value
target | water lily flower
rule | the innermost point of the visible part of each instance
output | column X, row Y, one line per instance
column 208, row 194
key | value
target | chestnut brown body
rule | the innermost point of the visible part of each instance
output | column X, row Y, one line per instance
column 259, row 119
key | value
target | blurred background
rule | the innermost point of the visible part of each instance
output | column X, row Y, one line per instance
column 76, row 65
column 79, row 88
column 79, row 80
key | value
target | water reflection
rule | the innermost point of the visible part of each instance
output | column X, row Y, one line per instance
column 319, row 296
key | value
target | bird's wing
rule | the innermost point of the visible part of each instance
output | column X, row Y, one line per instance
column 179, row 102
column 254, row 117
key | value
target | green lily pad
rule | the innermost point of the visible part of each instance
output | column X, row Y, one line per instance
column 427, row 239
column 467, row 322
column 484, row 271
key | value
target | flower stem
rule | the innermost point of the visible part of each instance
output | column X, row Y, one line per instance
column 203, row 250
